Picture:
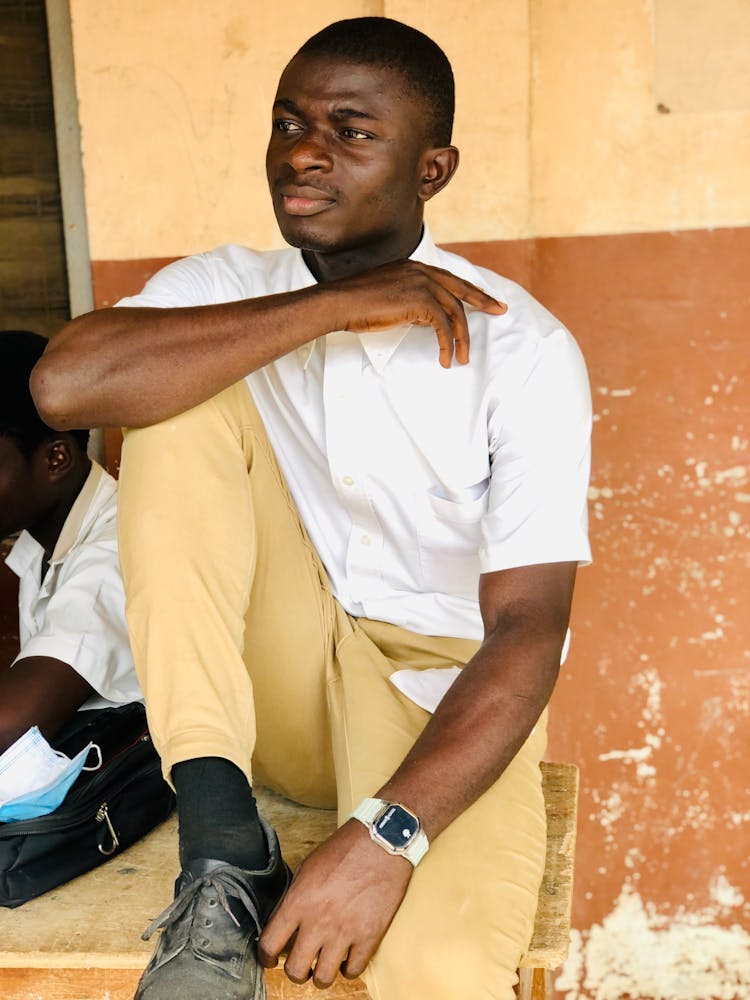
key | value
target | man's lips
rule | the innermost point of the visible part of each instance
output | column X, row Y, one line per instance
column 305, row 201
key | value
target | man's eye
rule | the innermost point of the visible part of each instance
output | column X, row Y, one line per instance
column 354, row 133
column 284, row 125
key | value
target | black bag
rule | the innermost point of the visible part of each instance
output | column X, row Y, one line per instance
column 104, row 812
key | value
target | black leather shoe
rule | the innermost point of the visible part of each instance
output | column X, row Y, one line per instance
column 209, row 934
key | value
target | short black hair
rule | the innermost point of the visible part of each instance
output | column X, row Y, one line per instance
column 383, row 42
column 19, row 352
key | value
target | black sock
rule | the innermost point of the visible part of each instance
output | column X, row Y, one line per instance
column 218, row 815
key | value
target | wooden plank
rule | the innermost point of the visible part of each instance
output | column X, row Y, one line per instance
column 118, row 984
column 67, row 984
column 550, row 940
column 534, row 984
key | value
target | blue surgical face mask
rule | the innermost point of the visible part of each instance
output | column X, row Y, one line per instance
column 34, row 778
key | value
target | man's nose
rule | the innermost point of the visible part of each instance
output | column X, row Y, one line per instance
column 310, row 152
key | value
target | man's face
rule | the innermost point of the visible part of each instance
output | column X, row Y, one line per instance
column 21, row 502
column 344, row 160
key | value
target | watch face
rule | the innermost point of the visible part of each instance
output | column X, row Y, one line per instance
column 397, row 827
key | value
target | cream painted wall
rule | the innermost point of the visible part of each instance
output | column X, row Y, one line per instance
column 488, row 44
column 604, row 159
column 175, row 102
column 557, row 121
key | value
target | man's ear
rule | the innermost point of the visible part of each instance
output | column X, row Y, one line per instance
column 58, row 458
column 438, row 166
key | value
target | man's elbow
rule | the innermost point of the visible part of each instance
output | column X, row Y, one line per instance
column 52, row 395
column 55, row 385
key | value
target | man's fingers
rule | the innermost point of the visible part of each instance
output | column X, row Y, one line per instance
column 311, row 956
column 450, row 292
column 444, row 332
column 481, row 300
column 451, row 328
column 276, row 935
column 356, row 962
column 460, row 327
column 468, row 292
column 302, row 954
column 330, row 961
column 411, row 292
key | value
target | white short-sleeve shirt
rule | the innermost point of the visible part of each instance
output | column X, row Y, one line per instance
column 77, row 612
column 412, row 479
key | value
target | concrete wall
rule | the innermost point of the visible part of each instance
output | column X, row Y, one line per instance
column 599, row 174
column 557, row 121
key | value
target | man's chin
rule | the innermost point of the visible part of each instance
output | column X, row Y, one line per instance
column 309, row 233
column 311, row 241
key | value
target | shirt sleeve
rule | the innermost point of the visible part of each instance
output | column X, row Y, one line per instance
column 84, row 622
column 186, row 282
column 540, row 433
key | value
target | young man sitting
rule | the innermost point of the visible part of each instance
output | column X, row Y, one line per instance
column 353, row 469
column 73, row 637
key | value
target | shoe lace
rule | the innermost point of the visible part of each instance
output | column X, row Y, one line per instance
column 226, row 881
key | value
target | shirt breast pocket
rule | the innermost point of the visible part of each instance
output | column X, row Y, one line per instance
column 449, row 536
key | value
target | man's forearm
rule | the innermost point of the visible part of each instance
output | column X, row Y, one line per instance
column 488, row 713
column 135, row 367
column 478, row 728
column 139, row 366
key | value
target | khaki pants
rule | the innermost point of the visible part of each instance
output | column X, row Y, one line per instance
column 243, row 653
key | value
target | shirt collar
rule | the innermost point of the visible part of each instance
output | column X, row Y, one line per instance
column 27, row 553
column 25, row 556
column 380, row 346
column 97, row 489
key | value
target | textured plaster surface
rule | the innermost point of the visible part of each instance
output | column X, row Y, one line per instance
column 654, row 701
column 701, row 59
column 175, row 103
column 640, row 951
column 607, row 155
column 175, row 108
column 558, row 121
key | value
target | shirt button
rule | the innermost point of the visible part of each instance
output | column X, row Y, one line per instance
column 347, row 481
column 365, row 540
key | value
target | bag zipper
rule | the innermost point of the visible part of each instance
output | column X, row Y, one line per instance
column 102, row 816
column 42, row 824
column 99, row 776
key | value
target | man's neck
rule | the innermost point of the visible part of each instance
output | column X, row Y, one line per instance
column 47, row 530
column 335, row 265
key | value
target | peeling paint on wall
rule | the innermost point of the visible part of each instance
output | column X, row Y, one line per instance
column 648, row 681
column 654, row 702
column 639, row 950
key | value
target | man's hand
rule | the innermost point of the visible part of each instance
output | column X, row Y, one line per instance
column 337, row 909
column 409, row 292
column 138, row 366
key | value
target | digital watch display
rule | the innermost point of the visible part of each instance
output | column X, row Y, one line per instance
column 394, row 827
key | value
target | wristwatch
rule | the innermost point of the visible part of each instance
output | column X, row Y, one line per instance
column 394, row 827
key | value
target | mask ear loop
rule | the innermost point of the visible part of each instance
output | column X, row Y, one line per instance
column 94, row 767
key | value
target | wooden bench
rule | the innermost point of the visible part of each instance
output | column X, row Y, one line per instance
column 549, row 942
column 82, row 941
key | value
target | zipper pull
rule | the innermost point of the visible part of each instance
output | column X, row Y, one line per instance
column 102, row 816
